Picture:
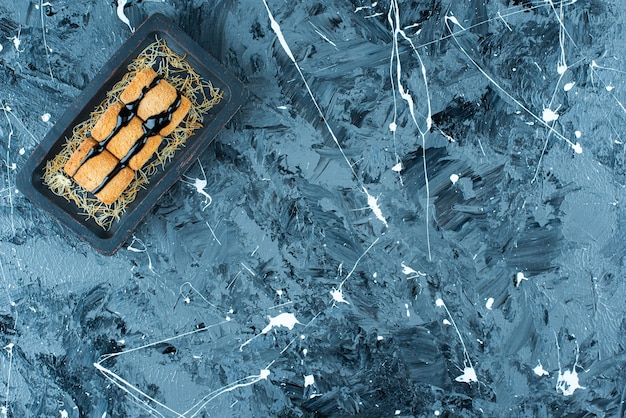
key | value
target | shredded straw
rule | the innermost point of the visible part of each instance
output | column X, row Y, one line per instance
column 173, row 68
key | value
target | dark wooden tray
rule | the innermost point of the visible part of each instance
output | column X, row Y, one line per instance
column 109, row 241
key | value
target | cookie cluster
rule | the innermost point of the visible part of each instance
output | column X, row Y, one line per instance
column 126, row 135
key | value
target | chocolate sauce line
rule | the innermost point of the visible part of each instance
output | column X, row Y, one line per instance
column 151, row 127
column 123, row 119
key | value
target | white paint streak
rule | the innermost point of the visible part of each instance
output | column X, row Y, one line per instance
column 393, row 17
column 469, row 373
column 372, row 202
column 451, row 19
column 43, row 34
column 324, row 37
column 283, row 42
column 121, row 15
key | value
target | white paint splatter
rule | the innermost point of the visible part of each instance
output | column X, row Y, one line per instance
column 144, row 249
column 540, row 371
column 489, row 304
column 200, row 184
column 569, row 86
column 337, row 295
column 64, row 413
column 411, row 272
column 1, row 47
column 22, row 151
column 567, row 382
column 549, row 115
column 380, row 338
column 407, row 270
column 451, row 19
column 287, row 320
column 408, row 313
column 578, row 134
column 454, row 178
column 519, row 277
column 309, row 380
column 16, row 43
column 468, row 376
column 609, row 88
column 45, row 117
column 393, row 126
column 397, row 168
column 121, row 15
column 578, row 149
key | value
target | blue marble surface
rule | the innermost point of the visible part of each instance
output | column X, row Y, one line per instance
column 418, row 213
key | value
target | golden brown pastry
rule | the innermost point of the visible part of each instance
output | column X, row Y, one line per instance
column 94, row 171
column 76, row 160
column 139, row 159
column 134, row 90
column 115, row 186
column 126, row 138
column 177, row 117
column 126, row 135
column 107, row 122
column 163, row 107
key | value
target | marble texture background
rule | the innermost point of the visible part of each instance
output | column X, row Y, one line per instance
column 329, row 276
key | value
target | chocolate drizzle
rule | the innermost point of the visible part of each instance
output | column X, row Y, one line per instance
column 151, row 127
column 127, row 112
